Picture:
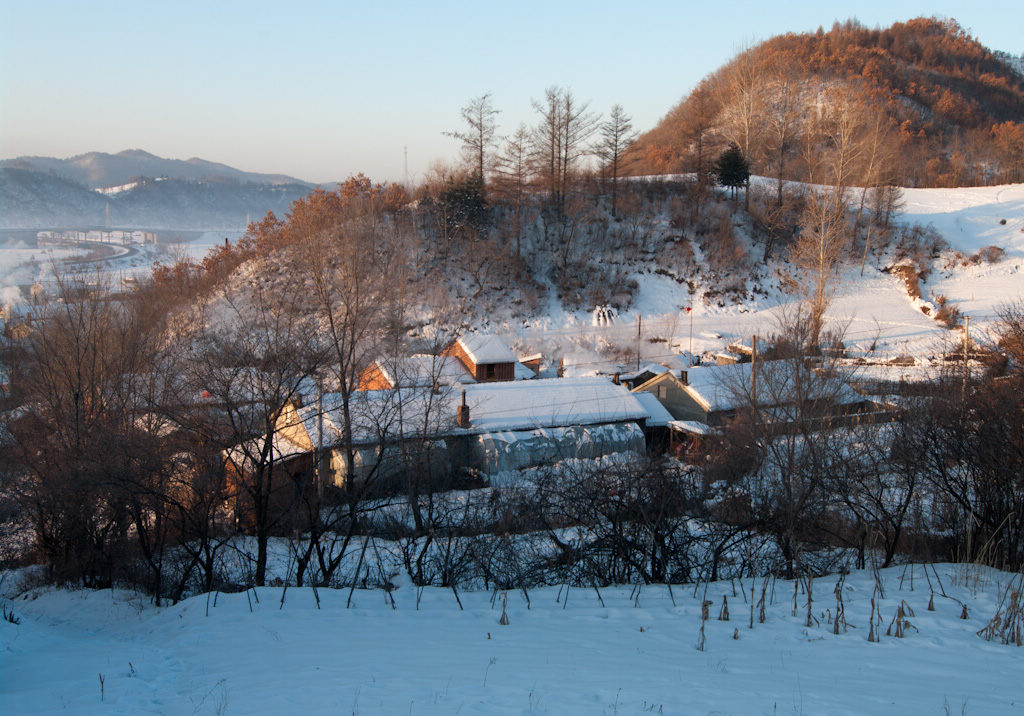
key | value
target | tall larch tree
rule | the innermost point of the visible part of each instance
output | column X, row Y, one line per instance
column 616, row 134
column 560, row 141
column 479, row 134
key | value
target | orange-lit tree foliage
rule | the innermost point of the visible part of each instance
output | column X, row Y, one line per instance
column 940, row 85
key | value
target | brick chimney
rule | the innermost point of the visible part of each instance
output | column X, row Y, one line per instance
column 462, row 417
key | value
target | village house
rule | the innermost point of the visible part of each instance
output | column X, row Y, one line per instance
column 415, row 371
column 488, row 358
column 711, row 395
column 490, row 428
column 640, row 376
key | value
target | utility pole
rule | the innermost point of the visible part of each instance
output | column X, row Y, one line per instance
column 967, row 340
column 639, row 327
column 319, row 439
column 753, row 369
column 689, row 309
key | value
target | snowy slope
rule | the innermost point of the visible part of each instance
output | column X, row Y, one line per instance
column 872, row 309
column 970, row 220
column 566, row 654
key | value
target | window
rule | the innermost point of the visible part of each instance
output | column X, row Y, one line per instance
column 662, row 392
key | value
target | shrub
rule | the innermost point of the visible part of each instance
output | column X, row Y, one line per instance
column 947, row 314
column 989, row 254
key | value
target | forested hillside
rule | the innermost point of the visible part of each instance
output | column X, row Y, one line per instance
column 949, row 111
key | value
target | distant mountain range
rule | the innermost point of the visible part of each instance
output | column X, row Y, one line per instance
column 98, row 170
column 137, row 189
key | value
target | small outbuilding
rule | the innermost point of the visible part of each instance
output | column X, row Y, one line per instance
column 486, row 358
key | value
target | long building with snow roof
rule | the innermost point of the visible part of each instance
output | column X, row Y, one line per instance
column 489, row 427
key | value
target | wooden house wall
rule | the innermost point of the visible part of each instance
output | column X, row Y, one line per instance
column 500, row 371
column 373, row 378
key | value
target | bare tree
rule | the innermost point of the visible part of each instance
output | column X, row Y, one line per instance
column 560, row 141
column 788, row 410
column 818, row 253
column 479, row 135
column 741, row 93
column 782, row 122
column 254, row 351
column 702, row 109
column 616, row 134
column 79, row 452
column 877, row 176
column 514, row 176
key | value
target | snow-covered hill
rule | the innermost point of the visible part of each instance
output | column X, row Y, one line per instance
column 873, row 309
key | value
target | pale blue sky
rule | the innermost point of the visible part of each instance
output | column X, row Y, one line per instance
column 321, row 90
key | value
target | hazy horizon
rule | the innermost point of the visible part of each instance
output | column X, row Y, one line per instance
column 323, row 91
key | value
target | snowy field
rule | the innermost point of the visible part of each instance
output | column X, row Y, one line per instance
column 565, row 654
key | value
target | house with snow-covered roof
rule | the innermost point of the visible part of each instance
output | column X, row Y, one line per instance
column 491, row 428
column 485, row 357
column 415, row 371
column 713, row 394
column 642, row 375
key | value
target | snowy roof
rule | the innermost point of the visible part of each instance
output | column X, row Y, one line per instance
column 246, row 454
column 693, row 427
column 550, row 402
column 893, row 373
column 658, row 415
column 521, row 372
column 726, row 387
column 522, row 405
column 423, row 370
column 245, row 384
column 652, row 368
column 483, row 349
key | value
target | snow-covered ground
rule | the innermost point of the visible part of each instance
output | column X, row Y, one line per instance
column 872, row 309
column 111, row 652
column 22, row 263
column 970, row 220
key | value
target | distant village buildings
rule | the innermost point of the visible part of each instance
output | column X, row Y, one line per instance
column 103, row 236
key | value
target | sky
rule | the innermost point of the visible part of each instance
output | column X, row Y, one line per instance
column 322, row 90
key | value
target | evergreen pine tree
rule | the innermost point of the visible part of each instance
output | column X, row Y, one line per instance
column 732, row 168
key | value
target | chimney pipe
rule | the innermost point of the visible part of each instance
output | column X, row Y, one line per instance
column 462, row 417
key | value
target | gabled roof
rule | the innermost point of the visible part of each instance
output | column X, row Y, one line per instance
column 667, row 375
column 727, row 387
column 651, row 368
column 483, row 349
column 521, row 372
column 658, row 414
column 421, row 370
column 523, row 405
